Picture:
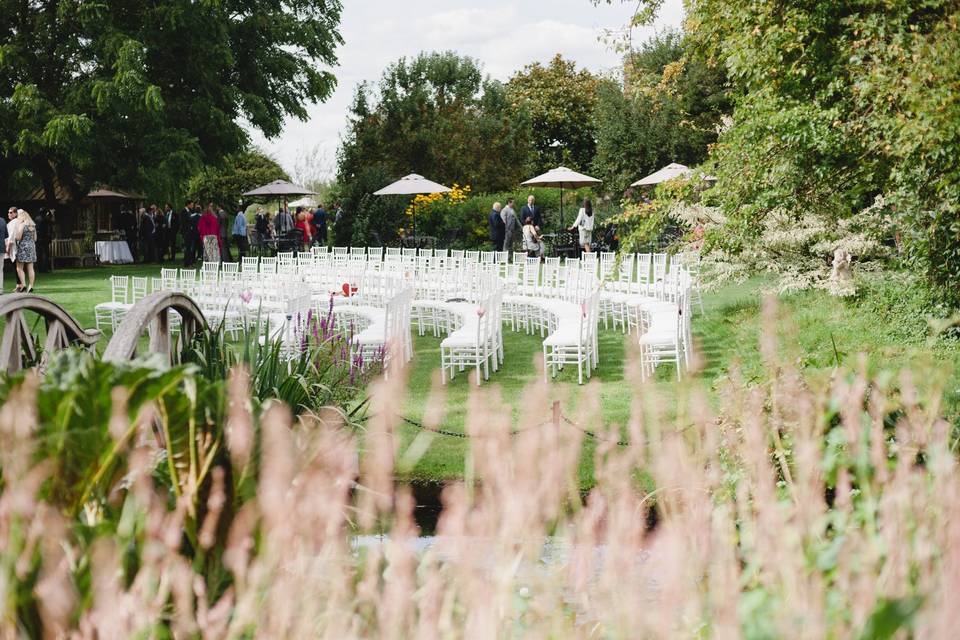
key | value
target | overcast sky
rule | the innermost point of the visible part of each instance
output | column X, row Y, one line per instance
column 503, row 35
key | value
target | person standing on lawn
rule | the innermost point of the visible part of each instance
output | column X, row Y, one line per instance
column 145, row 233
column 320, row 225
column 209, row 229
column 224, row 221
column 240, row 232
column 3, row 242
column 510, row 225
column 190, row 221
column 497, row 228
column 172, row 221
column 160, row 233
column 530, row 210
column 25, row 240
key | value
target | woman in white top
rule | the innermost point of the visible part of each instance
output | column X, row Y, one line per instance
column 584, row 223
column 531, row 241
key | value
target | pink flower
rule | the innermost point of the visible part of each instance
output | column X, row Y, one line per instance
column 246, row 295
column 481, row 311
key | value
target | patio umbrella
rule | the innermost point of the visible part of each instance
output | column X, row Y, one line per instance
column 279, row 189
column 307, row 202
column 563, row 178
column 669, row 172
column 411, row 185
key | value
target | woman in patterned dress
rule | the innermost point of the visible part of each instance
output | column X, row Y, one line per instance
column 26, row 249
column 209, row 228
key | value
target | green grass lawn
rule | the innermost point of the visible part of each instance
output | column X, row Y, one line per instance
column 883, row 329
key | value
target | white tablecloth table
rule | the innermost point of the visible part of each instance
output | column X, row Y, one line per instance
column 113, row 252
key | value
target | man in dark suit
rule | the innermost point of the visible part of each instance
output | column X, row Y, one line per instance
column 189, row 218
column 172, row 223
column 160, row 235
column 497, row 227
column 531, row 210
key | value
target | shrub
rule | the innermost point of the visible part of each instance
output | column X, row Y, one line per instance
column 823, row 504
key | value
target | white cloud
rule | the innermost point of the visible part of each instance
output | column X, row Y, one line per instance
column 502, row 35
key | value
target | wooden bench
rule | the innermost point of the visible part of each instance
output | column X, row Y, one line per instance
column 68, row 249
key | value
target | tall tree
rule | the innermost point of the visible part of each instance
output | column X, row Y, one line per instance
column 238, row 173
column 835, row 104
column 561, row 100
column 667, row 110
column 437, row 115
column 123, row 92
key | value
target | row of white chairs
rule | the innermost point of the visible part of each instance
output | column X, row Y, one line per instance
column 445, row 294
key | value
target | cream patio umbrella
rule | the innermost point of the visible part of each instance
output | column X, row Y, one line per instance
column 412, row 185
column 669, row 172
column 563, row 178
column 279, row 189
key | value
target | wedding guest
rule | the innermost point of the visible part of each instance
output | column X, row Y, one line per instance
column 160, row 233
column 4, row 234
column 510, row 225
column 533, row 211
column 497, row 228
column 240, row 232
column 584, row 223
column 146, row 228
column 192, row 231
column 224, row 221
column 320, row 225
column 531, row 239
column 284, row 222
column 303, row 224
column 209, row 230
column 172, row 223
column 261, row 224
column 26, row 243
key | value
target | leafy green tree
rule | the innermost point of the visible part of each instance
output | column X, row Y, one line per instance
column 144, row 93
column 835, row 104
column 437, row 116
column 561, row 100
column 238, row 173
column 667, row 110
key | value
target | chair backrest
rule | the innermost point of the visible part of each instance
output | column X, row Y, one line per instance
column 188, row 275
column 502, row 257
column 139, row 288
column 374, row 253
column 531, row 272
column 472, row 256
column 157, row 284
column 519, row 256
column 358, row 251
column 168, row 274
column 231, row 267
column 119, row 288
column 457, row 253
column 393, row 251
column 625, row 274
column 249, row 264
column 268, row 265
column 608, row 259
column 643, row 267
column 210, row 267
column 551, row 270
column 488, row 257
column 410, row 253
column 341, row 251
